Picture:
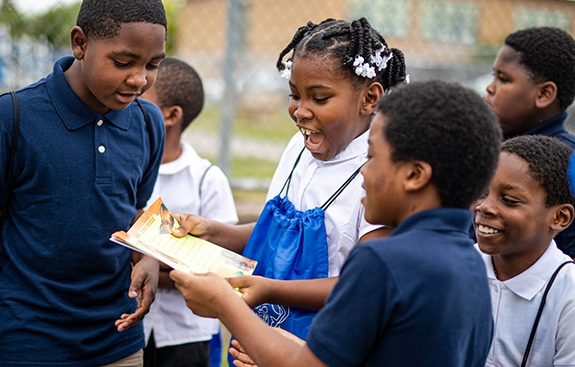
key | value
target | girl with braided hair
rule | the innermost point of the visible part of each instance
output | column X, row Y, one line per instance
column 314, row 217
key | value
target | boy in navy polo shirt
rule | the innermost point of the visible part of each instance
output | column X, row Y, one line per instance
column 419, row 297
column 533, row 84
column 85, row 165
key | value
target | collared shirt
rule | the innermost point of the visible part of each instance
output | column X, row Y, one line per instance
column 178, row 185
column 515, row 303
column 78, row 177
column 416, row 298
column 554, row 127
column 313, row 183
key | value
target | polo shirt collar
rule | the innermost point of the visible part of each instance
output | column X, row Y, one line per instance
column 441, row 219
column 357, row 147
column 73, row 112
column 527, row 284
column 550, row 127
column 182, row 162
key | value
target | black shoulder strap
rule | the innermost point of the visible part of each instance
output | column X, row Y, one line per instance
column 540, row 311
column 200, row 188
column 10, row 163
column 288, row 180
column 148, row 124
column 341, row 188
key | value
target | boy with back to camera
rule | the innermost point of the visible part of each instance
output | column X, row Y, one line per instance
column 420, row 296
column 186, row 183
column 85, row 165
column 527, row 203
column 534, row 83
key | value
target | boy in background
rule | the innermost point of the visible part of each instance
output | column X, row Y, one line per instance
column 85, row 165
column 528, row 202
column 187, row 184
column 533, row 84
column 420, row 296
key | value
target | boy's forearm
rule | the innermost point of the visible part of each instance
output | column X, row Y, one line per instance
column 307, row 294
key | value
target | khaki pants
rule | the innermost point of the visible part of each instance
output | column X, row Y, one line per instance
column 135, row 360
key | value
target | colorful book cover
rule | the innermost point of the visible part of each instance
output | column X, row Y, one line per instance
column 152, row 235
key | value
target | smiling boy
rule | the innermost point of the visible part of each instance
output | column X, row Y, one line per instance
column 533, row 84
column 420, row 296
column 528, row 202
column 85, row 165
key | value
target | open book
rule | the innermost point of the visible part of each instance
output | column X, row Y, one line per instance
column 151, row 235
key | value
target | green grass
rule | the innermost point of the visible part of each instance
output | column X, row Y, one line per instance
column 269, row 125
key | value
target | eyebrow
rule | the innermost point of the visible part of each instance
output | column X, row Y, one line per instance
column 135, row 56
column 316, row 86
column 512, row 187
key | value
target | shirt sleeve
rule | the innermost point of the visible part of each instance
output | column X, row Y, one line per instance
column 156, row 153
column 217, row 202
column 565, row 338
column 348, row 327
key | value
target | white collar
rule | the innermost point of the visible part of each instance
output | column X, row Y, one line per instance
column 185, row 159
column 527, row 284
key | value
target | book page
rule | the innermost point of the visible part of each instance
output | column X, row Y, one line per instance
column 151, row 235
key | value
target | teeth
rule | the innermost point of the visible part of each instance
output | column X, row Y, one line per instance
column 306, row 132
column 485, row 229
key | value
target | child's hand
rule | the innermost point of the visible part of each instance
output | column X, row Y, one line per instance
column 255, row 289
column 204, row 293
column 242, row 359
column 192, row 224
column 145, row 276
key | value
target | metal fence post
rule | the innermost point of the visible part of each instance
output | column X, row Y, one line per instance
column 228, row 103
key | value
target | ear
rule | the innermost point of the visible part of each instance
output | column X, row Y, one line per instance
column 371, row 96
column 173, row 115
column 79, row 41
column 417, row 175
column 562, row 218
column 547, row 95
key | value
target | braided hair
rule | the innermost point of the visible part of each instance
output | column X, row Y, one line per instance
column 347, row 42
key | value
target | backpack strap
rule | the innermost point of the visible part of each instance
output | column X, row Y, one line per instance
column 10, row 163
column 200, row 188
column 148, row 124
column 540, row 311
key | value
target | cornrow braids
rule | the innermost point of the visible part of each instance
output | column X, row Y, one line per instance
column 357, row 49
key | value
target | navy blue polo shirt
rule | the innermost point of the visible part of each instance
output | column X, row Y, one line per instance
column 77, row 178
column 555, row 128
column 417, row 298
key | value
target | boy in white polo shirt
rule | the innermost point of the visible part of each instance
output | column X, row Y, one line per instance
column 527, row 204
column 186, row 183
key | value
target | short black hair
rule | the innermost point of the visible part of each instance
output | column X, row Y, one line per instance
column 548, row 162
column 343, row 41
column 451, row 128
column 549, row 54
column 104, row 18
column 178, row 84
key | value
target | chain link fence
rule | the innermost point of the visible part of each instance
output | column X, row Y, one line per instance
column 234, row 45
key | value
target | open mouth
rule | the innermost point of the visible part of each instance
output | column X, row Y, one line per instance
column 126, row 98
column 487, row 230
column 313, row 138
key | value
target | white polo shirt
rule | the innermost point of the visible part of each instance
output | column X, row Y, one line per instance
column 313, row 183
column 178, row 185
column 515, row 303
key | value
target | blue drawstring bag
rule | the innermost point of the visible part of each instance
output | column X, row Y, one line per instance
column 288, row 244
